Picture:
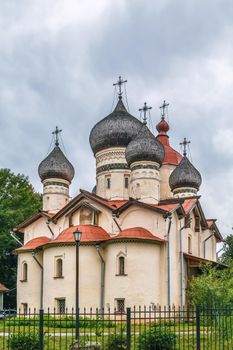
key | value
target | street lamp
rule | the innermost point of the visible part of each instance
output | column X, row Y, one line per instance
column 77, row 238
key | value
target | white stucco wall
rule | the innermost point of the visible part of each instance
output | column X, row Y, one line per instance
column 142, row 283
column 165, row 172
column 136, row 216
column 36, row 229
column 112, row 156
column 28, row 292
column 55, row 194
column 90, row 277
column 145, row 181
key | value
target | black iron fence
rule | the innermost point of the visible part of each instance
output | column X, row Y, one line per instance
column 136, row 329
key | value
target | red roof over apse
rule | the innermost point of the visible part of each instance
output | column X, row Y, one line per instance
column 171, row 156
column 3, row 288
column 137, row 233
column 90, row 233
column 34, row 243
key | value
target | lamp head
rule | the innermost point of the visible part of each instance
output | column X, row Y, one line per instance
column 77, row 235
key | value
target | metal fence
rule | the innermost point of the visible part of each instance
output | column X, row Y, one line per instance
column 136, row 329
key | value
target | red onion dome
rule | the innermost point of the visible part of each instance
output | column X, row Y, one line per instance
column 162, row 126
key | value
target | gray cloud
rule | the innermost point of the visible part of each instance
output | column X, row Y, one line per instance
column 58, row 62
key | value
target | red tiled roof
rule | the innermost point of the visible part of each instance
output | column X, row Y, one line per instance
column 90, row 233
column 166, row 207
column 116, row 204
column 34, row 243
column 113, row 204
column 210, row 222
column 32, row 219
column 3, row 288
column 188, row 204
column 137, row 233
column 171, row 156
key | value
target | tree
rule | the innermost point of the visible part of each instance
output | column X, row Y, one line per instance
column 18, row 200
column 213, row 287
column 227, row 255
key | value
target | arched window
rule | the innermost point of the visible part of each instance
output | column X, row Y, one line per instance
column 190, row 244
column 24, row 272
column 59, row 268
column 121, row 265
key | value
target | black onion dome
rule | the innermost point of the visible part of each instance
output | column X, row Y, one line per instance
column 116, row 130
column 185, row 175
column 56, row 165
column 144, row 147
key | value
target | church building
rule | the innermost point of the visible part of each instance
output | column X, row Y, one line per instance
column 143, row 230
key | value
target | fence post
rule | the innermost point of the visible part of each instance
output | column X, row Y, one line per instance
column 41, row 330
column 128, row 327
column 198, row 328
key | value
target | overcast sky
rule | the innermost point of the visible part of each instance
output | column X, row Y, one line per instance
column 59, row 59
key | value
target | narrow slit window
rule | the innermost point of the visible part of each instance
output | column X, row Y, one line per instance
column 121, row 265
column 59, row 268
column 126, row 182
column 189, row 244
column 108, row 183
column 24, row 272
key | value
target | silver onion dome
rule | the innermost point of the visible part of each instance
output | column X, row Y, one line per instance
column 185, row 175
column 56, row 165
column 144, row 147
column 115, row 130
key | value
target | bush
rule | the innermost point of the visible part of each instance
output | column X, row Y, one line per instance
column 116, row 342
column 157, row 338
column 22, row 341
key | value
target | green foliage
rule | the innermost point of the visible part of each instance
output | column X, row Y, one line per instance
column 212, row 287
column 18, row 200
column 158, row 338
column 227, row 256
column 24, row 342
column 116, row 342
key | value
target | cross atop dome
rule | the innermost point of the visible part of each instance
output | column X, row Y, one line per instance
column 56, row 132
column 185, row 144
column 163, row 109
column 145, row 109
column 119, row 84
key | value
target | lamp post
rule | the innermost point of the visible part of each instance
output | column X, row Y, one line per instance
column 77, row 238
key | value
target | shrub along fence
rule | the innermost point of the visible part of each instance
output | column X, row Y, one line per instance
column 137, row 329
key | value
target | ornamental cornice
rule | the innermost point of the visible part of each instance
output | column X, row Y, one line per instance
column 112, row 166
column 144, row 166
column 118, row 154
